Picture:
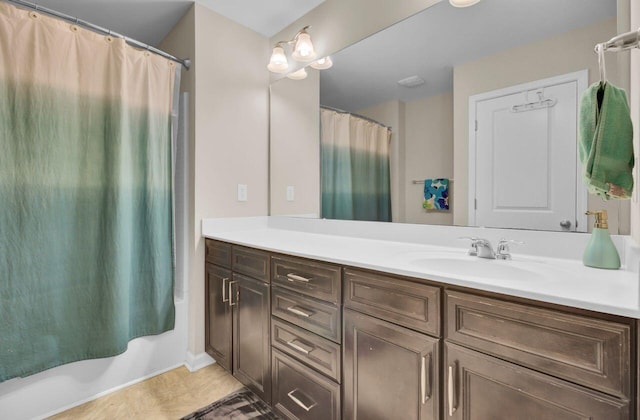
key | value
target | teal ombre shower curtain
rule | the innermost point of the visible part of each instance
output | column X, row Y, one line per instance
column 355, row 178
column 86, row 260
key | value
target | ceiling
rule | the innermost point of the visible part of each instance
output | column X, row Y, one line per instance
column 150, row 21
column 430, row 43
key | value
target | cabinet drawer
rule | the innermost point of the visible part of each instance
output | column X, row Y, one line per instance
column 301, row 393
column 321, row 281
column 410, row 304
column 317, row 352
column 251, row 262
column 218, row 253
column 310, row 314
column 584, row 350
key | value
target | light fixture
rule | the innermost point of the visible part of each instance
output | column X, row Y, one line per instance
column 278, row 62
column 463, row 3
column 298, row 75
column 303, row 51
column 322, row 64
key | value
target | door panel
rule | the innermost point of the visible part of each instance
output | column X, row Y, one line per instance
column 480, row 387
column 525, row 159
column 390, row 372
column 251, row 346
column 218, row 320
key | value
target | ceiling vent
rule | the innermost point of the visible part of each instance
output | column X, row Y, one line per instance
column 412, row 81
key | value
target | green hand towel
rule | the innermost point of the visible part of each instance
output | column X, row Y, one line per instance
column 606, row 141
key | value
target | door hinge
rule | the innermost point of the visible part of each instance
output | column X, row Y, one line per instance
column 475, row 204
column 476, row 125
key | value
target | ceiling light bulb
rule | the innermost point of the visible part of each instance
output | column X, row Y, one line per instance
column 322, row 64
column 303, row 50
column 463, row 3
column 298, row 75
column 278, row 62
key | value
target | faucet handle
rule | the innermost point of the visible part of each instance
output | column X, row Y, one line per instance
column 473, row 251
column 502, row 251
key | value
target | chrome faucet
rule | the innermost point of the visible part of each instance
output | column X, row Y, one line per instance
column 482, row 248
column 502, row 252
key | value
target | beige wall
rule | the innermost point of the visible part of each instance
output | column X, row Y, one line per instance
column 294, row 145
column 337, row 24
column 429, row 154
column 392, row 114
column 561, row 54
column 228, row 84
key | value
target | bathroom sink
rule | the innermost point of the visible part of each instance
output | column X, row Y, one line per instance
column 474, row 267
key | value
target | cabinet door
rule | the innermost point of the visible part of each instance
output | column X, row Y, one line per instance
column 390, row 372
column 481, row 387
column 251, row 341
column 218, row 319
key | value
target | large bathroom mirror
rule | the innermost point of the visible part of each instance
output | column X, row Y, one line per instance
column 483, row 97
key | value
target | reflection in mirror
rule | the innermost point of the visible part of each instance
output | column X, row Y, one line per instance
column 518, row 69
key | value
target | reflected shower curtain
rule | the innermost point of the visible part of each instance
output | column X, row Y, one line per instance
column 355, row 168
column 86, row 260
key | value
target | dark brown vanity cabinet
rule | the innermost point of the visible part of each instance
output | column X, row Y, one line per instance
column 306, row 328
column 409, row 349
column 527, row 362
column 391, row 367
column 238, row 311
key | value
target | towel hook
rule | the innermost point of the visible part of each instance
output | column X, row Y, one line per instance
column 601, row 63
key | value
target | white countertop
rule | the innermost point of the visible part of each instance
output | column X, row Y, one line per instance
column 554, row 280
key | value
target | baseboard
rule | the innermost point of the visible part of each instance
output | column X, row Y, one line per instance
column 109, row 391
column 197, row 362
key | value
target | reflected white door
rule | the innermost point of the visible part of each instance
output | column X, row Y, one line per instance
column 524, row 172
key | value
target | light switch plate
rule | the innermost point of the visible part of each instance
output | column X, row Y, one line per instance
column 290, row 193
column 242, row 192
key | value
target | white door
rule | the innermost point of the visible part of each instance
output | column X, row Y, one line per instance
column 524, row 152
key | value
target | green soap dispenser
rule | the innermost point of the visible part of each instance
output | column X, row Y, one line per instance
column 600, row 251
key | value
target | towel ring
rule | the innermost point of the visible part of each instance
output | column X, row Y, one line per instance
column 601, row 63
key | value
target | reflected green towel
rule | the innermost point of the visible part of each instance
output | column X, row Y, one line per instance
column 606, row 141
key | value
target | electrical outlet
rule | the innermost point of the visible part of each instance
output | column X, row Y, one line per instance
column 290, row 193
column 242, row 192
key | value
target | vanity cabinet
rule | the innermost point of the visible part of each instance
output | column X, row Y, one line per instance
column 508, row 360
column 391, row 364
column 237, row 306
column 407, row 348
column 306, row 337
column 484, row 387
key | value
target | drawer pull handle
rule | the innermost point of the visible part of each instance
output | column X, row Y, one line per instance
column 295, row 277
column 300, row 403
column 451, row 390
column 298, row 347
column 425, row 376
column 225, row 298
column 300, row 312
column 231, row 302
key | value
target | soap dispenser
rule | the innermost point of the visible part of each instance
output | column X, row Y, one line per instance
column 600, row 251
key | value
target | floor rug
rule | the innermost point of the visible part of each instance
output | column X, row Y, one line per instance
column 240, row 405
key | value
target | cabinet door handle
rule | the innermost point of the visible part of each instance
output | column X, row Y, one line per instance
column 451, row 390
column 425, row 376
column 300, row 312
column 295, row 277
column 300, row 403
column 225, row 298
column 298, row 347
column 231, row 302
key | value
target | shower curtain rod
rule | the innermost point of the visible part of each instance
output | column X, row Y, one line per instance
column 341, row 111
column 186, row 62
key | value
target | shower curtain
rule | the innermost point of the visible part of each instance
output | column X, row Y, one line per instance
column 355, row 168
column 86, row 235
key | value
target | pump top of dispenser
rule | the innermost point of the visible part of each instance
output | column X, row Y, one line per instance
column 601, row 219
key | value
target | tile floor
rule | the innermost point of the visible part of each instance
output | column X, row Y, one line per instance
column 172, row 395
